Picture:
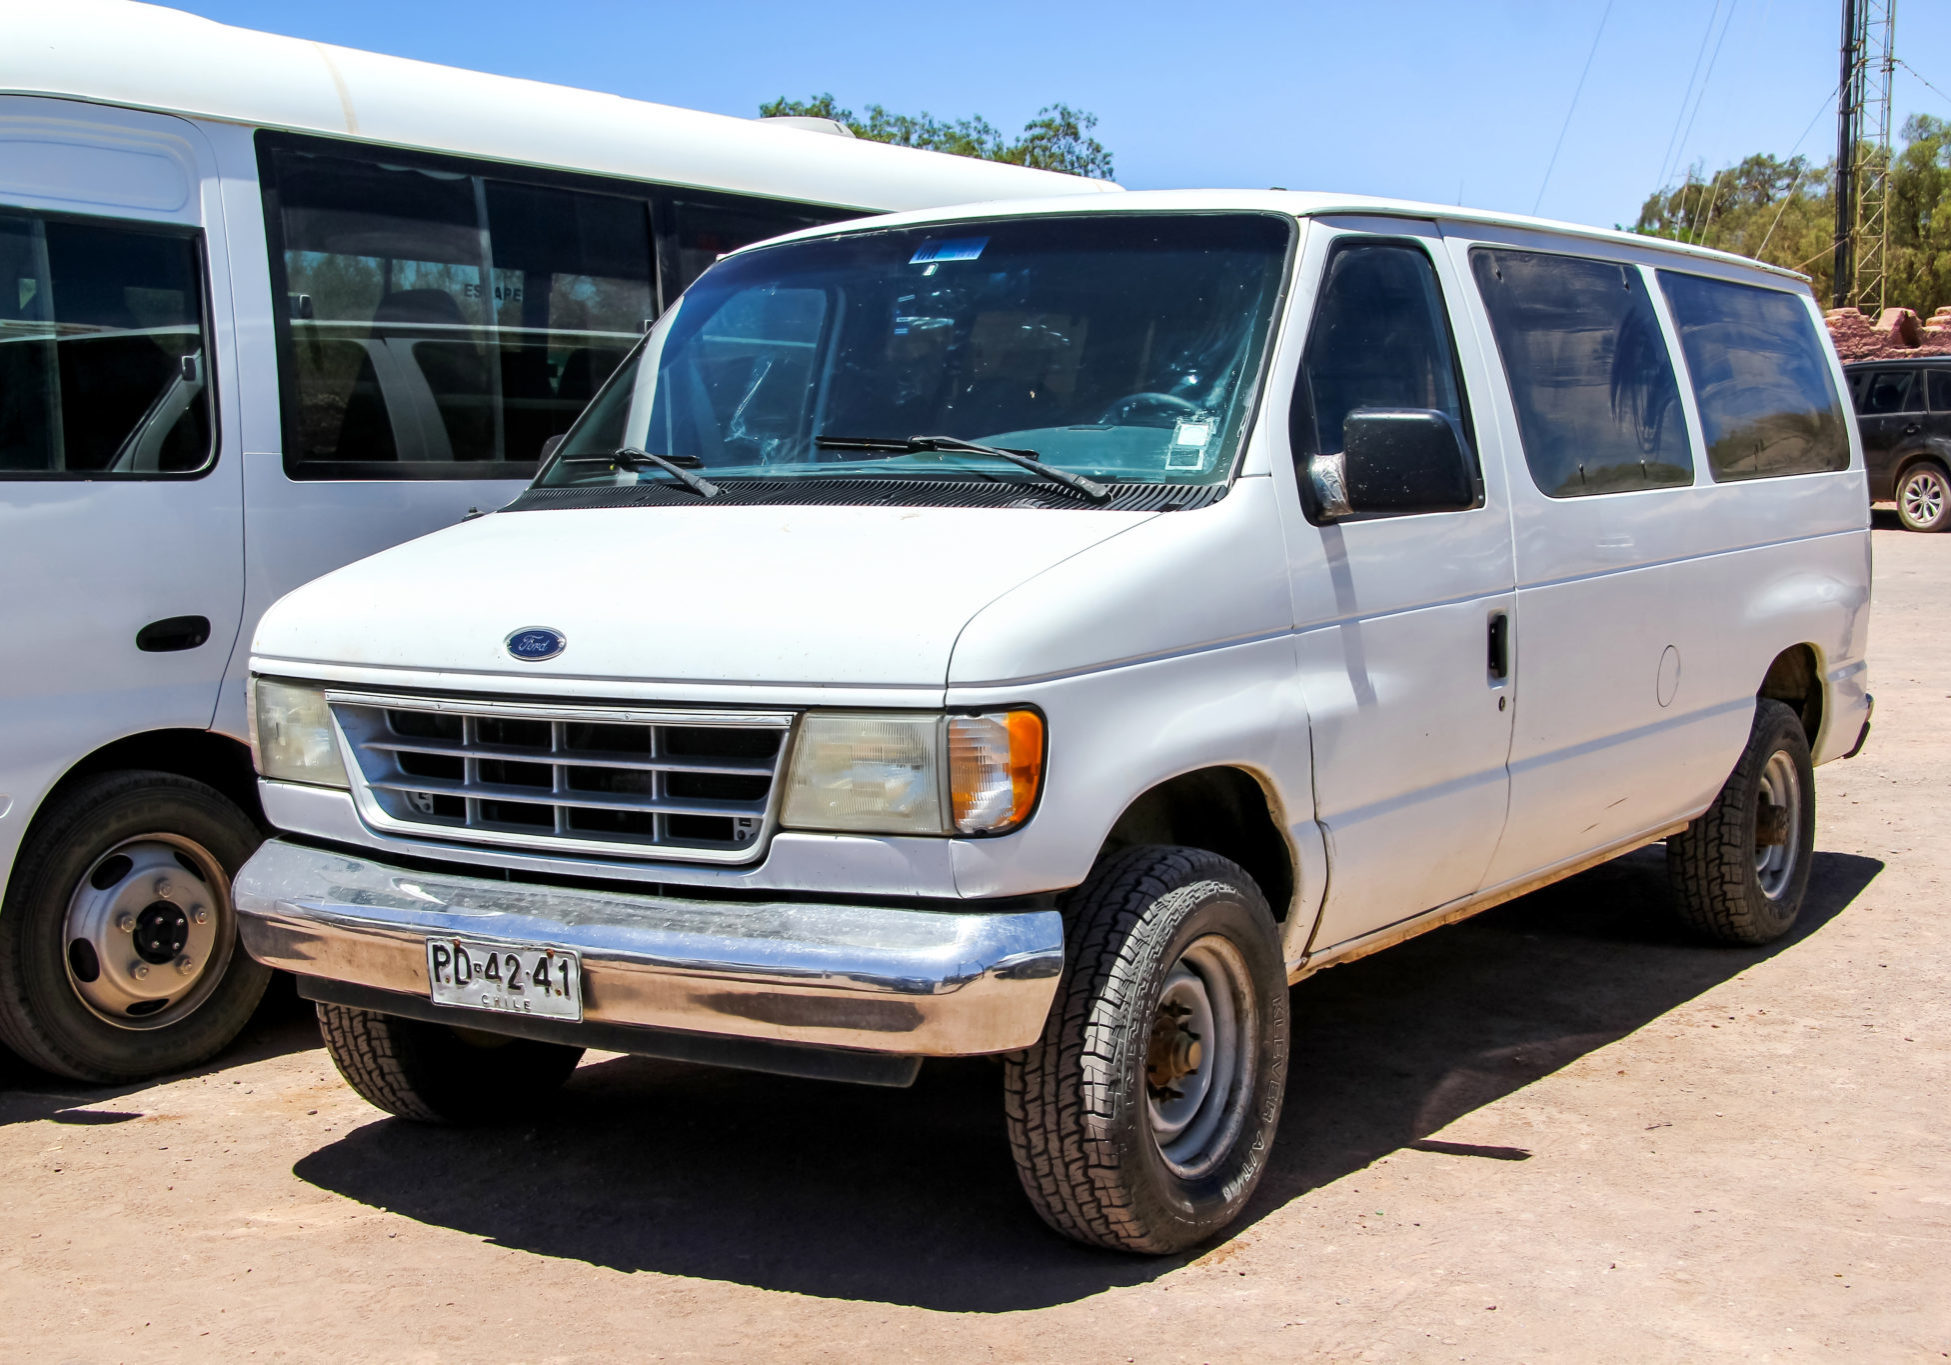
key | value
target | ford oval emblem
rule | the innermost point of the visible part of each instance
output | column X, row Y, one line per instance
column 532, row 644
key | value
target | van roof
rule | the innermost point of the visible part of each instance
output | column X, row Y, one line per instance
column 148, row 57
column 1299, row 204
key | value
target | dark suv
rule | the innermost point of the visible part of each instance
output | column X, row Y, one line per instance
column 1903, row 408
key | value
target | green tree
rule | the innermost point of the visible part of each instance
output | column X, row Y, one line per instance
column 1783, row 212
column 1057, row 139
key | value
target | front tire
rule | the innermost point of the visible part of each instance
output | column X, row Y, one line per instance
column 435, row 1074
column 1924, row 498
column 119, row 956
column 1142, row 1119
column 1739, row 872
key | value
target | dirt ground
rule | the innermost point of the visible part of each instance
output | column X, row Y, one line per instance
column 1560, row 1131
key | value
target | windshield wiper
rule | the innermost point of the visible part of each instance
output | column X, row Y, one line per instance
column 1026, row 459
column 634, row 460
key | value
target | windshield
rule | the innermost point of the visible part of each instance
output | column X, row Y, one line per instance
column 1124, row 348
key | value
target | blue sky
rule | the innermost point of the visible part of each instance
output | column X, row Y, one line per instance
column 1439, row 101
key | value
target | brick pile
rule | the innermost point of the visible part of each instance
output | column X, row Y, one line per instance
column 1896, row 334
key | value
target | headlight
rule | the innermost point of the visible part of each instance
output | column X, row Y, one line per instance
column 866, row 772
column 995, row 764
column 292, row 735
column 889, row 773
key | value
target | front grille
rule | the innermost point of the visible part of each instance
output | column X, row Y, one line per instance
column 678, row 784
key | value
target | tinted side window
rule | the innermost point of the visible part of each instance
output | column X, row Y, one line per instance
column 1380, row 339
column 1768, row 406
column 439, row 322
column 102, row 349
column 1597, row 403
column 1887, row 391
column 703, row 230
column 1940, row 383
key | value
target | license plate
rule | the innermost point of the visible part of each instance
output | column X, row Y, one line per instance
column 503, row 980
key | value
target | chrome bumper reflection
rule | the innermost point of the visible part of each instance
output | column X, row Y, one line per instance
column 918, row 982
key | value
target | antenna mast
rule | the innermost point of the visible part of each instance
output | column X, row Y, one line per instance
column 1863, row 165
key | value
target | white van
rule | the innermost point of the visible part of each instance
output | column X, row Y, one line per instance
column 266, row 307
column 1052, row 630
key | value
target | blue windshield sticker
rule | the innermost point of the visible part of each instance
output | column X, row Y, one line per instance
column 961, row 249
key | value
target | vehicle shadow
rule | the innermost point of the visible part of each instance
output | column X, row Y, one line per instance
column 282, row 1024
column 909, row 1196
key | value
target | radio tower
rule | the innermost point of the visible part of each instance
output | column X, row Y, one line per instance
column 1863, row 152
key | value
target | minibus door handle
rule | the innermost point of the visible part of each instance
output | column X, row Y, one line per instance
column 172, row 633
column 1499, row 646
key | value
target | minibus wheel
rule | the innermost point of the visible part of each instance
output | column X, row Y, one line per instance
column 437, row 1074
column 1739, row 872
column 1142, row 1119
column 1924, row 498
column 119, row 956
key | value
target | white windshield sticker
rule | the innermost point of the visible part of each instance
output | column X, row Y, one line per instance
column 1188, row 448
column 961, row 249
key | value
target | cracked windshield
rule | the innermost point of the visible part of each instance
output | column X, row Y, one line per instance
column 1077, row 351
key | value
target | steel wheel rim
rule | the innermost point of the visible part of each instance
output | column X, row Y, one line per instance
column 154, row 913
column 1197, row 1087
column 1780, row 785
column 1923, row 498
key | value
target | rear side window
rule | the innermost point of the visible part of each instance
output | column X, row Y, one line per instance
column 1768, row 406
column 1878, row 392
column 438, row 322
column 1380, row 339
column 1940, row 383
column 103, row 350
column 1597, row 403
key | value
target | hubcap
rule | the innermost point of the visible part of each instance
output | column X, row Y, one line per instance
column 1923, row 498
column 1778, row 825
column 1199, row 1058
column 148, row 931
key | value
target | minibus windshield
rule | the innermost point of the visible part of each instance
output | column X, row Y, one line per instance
column 1122, row 348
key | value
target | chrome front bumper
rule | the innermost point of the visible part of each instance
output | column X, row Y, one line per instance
column 831, row 975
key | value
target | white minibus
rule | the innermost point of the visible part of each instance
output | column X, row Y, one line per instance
column 1053, row 629
column 266, row 307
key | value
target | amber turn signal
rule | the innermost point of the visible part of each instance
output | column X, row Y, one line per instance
column 995, row 765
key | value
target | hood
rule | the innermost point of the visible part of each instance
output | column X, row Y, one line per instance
column 869, row 596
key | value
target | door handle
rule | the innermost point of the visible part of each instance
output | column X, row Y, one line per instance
column 1499, row 654
column 1912, row 429
column 171, row 633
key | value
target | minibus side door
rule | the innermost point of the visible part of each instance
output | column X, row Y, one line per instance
column 121, row 530
column 1397, row 616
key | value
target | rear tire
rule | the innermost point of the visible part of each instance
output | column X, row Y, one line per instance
column 1142, row 1119
column 1924, row 498
column 83, row 997
column 435, row 1074
column 1739, row 872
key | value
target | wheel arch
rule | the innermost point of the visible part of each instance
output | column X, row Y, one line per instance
column 1223, row 809
column 202, row 755
column 1794, row 677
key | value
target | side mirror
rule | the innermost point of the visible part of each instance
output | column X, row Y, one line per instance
column 549, row 446
column 1395, row 461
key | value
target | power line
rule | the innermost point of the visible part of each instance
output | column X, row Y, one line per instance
column 1708, row 77
column 1666, row 158
column 1800, row 172
column 1899, row 61
column 1577, row 90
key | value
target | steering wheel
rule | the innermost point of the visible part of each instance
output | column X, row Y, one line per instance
column 1137, row 405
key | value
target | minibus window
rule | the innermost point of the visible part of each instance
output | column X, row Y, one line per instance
column 1598, row 405
column 1380, row 339
column 103, row 350
column 704, row 230
column 439, row 322
column 1760, row 373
